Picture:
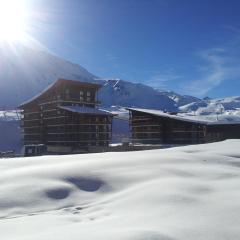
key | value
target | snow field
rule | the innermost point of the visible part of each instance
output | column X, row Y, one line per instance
column 172, row 194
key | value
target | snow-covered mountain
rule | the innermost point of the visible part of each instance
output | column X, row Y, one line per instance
column 123, row 93
column 228, row 106
column 24, row 72
column 180, row 100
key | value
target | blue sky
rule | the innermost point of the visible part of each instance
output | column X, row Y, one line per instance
column 191, row 47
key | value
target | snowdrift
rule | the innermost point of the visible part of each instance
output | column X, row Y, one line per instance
column 173, row 194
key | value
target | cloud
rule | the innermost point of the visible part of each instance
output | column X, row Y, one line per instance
column 161, row 80
column 233, row 29
column 219, row 65
column 111, row 57
column 213, row 72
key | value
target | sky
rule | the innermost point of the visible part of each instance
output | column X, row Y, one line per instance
column 190, row 47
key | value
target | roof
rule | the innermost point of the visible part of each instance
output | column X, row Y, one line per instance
column 186, row 118
column 78, row 82
column 58, row 82
column 86, row 110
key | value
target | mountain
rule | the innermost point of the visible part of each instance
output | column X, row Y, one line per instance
column 228, row 106
column 122, row 93
column 180, row 100
column 25, row 72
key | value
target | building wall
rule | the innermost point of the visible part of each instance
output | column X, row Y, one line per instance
column 150, row 129
column 44, row 123
column 32, row 125
column 78, row 130
column 146, row 128
column 220, row 132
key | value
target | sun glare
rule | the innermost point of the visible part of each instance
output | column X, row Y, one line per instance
column 12, row 20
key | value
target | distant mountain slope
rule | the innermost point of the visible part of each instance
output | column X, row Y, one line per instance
column 228, row 105
column 24, row 72
column 123, row 93
column 180, row 100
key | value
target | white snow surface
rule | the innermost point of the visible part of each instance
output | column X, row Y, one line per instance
column 9, row 115
column 228, row 106
column 172, row 194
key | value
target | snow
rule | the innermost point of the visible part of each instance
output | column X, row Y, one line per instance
column 120, row 112
column 23, row 80
column 129, row 94
column 88, row 110
column 180, row 100
column 9, row 115
column 213, row 106
column 203, row 119
column 172, row 194
column 228, row 117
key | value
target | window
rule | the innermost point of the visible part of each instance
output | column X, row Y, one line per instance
column 88, row 93
column 81, row 96
column 88, row 99
column 67, row 91
column 30, row 151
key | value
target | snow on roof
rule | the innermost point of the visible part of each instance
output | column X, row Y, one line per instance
column 194, row 119
column 86, row 110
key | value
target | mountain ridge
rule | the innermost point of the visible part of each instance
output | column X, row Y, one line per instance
column 26, row 72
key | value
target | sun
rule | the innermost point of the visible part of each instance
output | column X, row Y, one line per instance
column 12, row 20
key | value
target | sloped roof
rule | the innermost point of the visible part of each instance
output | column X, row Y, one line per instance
column 58, row 82
column 185, row 118
column 86, row 110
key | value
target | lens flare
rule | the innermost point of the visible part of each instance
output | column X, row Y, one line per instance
column 12, row 20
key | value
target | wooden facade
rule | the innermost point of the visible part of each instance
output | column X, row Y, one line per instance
column 66, row 115
column 156, row 127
